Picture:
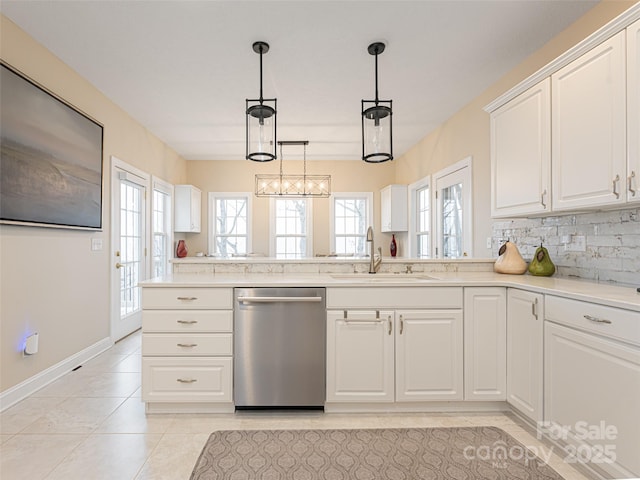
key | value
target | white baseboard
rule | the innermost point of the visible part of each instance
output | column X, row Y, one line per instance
column 22, row 390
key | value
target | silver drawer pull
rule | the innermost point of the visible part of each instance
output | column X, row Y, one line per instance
column 630, row 183
column 188, row 299
column 243, row 299
column 187, row 322
column 187, row 345
column 186, row 380
column 596, row 319
column 615, row 186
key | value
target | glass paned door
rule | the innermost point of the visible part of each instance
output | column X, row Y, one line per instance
column 454, row 212
column 130, row 240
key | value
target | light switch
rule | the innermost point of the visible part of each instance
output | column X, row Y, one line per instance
column 96, row 244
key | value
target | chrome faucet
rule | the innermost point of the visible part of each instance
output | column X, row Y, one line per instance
column 373, row 263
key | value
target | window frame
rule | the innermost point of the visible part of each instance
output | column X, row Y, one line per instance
column 414, row 190
column 367, row 196
column 461, row 170
column 213, row 219
column 166, row 188
column 308, row 226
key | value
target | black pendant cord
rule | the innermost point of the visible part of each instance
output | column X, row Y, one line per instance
column 261, row 97
column 376, row 76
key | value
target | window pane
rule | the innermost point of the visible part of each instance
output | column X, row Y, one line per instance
column 452, row 221
column 291, row 228
column 350, row 225
column 231, row 235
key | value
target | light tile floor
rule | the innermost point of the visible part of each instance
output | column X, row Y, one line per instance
column 90, row 424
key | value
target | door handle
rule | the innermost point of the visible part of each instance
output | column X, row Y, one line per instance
column 279, row 299
column 119, row 265
column 534, row 308
column 401, row 324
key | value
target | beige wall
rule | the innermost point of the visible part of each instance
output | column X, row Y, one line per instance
column 239, row 176
column 467, row 132
column 51, row 281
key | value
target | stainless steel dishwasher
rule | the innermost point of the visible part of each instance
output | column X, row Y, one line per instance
column 279, row 347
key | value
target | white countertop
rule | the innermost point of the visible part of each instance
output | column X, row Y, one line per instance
column 606, row 294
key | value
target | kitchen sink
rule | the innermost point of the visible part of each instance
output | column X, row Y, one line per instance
column 383, row 277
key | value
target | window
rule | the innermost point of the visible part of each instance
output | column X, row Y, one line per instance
column 454, row 215
column 229, row 229
column 420, row 219
column 291, row 228
column 162, row 242
column 351, row 215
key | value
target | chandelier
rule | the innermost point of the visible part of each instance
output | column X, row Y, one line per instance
column 293, row 185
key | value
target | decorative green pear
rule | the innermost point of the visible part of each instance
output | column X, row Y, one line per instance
column 541, row 265
column 509, row 260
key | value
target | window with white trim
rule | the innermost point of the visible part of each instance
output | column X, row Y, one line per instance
column 230, row 225
column 291, row 228
column 351, row 215
column 420, row 237
column 162, row 242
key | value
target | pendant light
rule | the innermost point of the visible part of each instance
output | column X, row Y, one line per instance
column 377, row 139
column 293, row 185
column 261, row 120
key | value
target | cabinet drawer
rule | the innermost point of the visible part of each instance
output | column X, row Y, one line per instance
column 400, row 297
column 187, row 379
column 206, row 321
column 611, row 322
column 195, row 345
column 187, row 297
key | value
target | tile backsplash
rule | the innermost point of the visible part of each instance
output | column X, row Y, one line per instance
column 612, row 250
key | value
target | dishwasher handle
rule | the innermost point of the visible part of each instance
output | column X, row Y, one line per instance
column 243, row 299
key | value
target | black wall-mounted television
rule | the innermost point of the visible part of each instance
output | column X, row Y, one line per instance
column 51, row 164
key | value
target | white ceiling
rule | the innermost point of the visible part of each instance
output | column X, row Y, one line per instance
column 183, row 69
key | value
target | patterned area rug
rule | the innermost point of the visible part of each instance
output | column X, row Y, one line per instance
column 394, row 454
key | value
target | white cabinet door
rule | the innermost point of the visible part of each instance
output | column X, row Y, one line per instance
column 360, row 359
column 187, row 208
column 485, row 343
column 633, row 112
column 393, row 208
column 428, row 355
column 589, row 128
column 521, row 154
column 524, row 352
column 590, row 380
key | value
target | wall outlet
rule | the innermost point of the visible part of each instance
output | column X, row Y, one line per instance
column 578, row 244
column 489, row 242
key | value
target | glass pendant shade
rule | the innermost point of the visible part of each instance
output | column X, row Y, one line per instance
column 377, row 138
column 377, row 131
column 261, row 130
column 261, row 116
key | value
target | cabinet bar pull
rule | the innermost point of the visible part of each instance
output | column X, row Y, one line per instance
column 596, row 319
column 187, row 345
column 401, row 324
column 544, row 192
column 534, row 308
column 186, row 380
column 242, row 299
column 615, row 186
column 187, row 322
column 630, row 183
column 389, row 320
column 187, row 298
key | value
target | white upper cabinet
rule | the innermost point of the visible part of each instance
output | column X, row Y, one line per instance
column 187, row 208
column 393, row 208
column 633, row 112
column 589, row 128
column 521, row 154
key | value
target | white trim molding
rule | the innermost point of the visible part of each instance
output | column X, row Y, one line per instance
column 31, row 385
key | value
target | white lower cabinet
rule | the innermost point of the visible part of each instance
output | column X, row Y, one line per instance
column 525, row 318
column 187, row 348
column 394, row 355
column 485, row 343
column 592, row 384
column 360, row 365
